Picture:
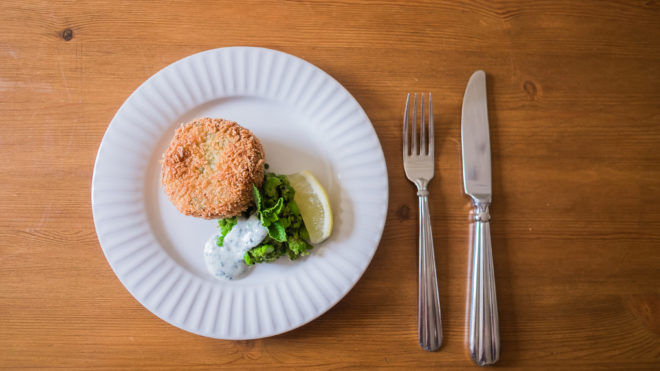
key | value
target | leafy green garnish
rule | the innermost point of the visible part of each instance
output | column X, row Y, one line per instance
column 261, row 253
column 279, row 213
column 272, row 214
column 277, row 232
column 257, row 197
column 225, row 226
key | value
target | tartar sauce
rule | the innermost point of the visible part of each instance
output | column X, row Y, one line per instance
column 226, row 262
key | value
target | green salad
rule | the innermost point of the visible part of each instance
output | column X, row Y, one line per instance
column 278, row 212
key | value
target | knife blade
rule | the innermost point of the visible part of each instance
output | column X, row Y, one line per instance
column 483, row 321
column 476, row 139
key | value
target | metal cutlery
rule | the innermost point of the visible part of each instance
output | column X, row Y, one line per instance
column 483, row 325
column 418, row 163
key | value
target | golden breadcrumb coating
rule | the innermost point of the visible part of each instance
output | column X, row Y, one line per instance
column 210, row 166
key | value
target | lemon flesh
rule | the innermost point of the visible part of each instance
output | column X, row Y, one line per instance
column 314, row 205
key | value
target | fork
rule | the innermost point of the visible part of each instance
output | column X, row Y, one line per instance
column 418, row 163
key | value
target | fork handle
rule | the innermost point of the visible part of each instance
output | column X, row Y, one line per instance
column 484, row 330
column 429, row 320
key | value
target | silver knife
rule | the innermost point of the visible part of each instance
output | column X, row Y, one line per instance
column 483, row 325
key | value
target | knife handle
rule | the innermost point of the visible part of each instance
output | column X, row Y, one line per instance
column 428, row 306
column 483, row 326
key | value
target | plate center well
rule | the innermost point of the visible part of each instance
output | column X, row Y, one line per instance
column 291, row 145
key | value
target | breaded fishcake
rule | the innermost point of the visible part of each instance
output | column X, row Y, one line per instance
column 210, row 166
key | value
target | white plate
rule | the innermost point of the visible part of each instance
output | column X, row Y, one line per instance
column 305, row 120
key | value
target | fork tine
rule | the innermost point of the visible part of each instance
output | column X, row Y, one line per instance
column 414, row 126
column 431, row 138
column 406, row 150
column 422, row 130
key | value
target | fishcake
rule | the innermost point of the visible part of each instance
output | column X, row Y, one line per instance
column 210, row 167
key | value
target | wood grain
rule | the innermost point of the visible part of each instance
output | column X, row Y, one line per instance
column 574, row 96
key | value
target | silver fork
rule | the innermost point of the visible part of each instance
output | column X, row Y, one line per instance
column 418, row 162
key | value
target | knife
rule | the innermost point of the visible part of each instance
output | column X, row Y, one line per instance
column 483, row 326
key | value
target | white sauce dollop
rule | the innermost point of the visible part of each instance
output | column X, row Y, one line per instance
column 226, row 262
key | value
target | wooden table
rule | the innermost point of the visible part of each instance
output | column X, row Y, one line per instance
column 574, row 96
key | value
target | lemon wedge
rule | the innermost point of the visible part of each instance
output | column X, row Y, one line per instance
column 314, row 205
